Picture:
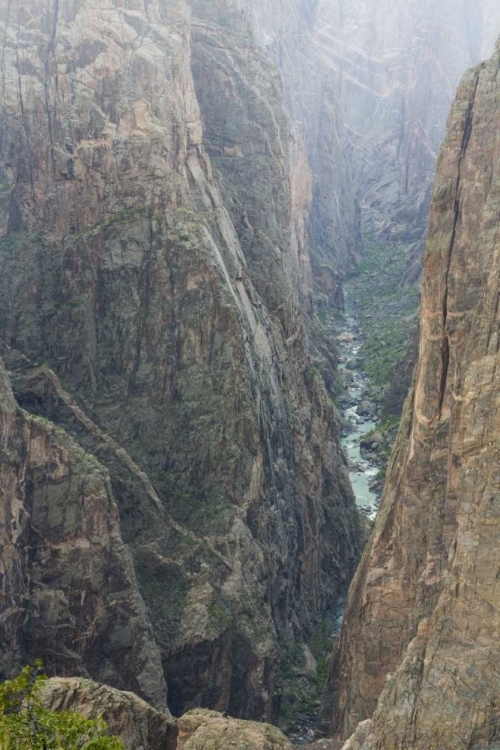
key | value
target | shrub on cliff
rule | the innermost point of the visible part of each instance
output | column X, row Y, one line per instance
column 25, row 723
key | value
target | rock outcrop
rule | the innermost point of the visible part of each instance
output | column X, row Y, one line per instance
column 201, row 729
column 140, row 727
column 170, row 342
column 422, row 621
column 133, row 720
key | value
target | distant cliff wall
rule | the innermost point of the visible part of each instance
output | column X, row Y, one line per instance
column 421, row 626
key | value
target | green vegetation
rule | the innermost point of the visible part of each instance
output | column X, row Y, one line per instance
column 321, row 648
column 26, row 724
column 221, row 615
column 385, row 308
column 15, row 241
column 388, row 429
column 297, row 694
column 187, row 232
column 125, row 214
column 164, row 589
column 324, row 327
column 299, row 689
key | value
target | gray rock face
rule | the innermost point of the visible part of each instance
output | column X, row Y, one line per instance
column 69, row 591
column 422, row 620
column 133, row 720
column 177, row 353
column 247, row 135
column 284, row 31
column 395, row 66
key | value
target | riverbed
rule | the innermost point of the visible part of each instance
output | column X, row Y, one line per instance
column 362, row 471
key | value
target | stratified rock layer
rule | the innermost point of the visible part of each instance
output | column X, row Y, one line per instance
column 424, row 606
column 133, row 316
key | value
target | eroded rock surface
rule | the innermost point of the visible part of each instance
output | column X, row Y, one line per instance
column 69, row 591
column 170, row 345
column 422, row 623
column 133, row 720
column 201, row 730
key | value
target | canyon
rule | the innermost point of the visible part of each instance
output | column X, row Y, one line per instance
column 212, row 221
column 167, row 334
column 420, row 633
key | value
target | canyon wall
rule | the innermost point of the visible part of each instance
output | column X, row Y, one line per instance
column 370, row 83
column 396, row 66
column 422, row 624
column 164, row 329
column 69, row 591
column 284, row 32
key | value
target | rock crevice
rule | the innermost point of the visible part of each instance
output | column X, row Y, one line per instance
column 418, row 647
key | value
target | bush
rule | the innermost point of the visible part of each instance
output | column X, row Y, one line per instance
column 25, row 723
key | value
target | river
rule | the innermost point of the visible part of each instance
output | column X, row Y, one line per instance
column 362, row 471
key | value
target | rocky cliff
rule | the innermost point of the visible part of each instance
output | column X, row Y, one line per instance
column 142, row 728
column 69, row 591
column 149, row 316
column 395, row 66
column 422, row 624
column 284, row 32
column 128, row 717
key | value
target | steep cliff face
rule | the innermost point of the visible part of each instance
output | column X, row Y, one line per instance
column 284, row 33
column 68, row 590
column 424, row 604
column 265, row 182
column 173, row 352
column 396, row 66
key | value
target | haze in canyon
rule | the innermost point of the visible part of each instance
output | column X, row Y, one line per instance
column 214, row 230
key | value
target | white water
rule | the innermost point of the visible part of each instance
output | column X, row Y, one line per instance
column 361, row 471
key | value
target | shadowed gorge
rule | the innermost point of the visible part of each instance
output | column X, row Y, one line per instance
column 421, row 626
column 174, row 342
column 212, row 221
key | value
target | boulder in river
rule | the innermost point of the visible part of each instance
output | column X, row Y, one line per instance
column 372, row 442
column 354, row 363
column 347, row 376
column 345, row 400
column 366, row 409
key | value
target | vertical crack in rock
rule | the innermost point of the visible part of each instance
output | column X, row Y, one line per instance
column 467, row 131
column 419, row 647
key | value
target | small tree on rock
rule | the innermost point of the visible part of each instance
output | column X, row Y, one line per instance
column 26, row 724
